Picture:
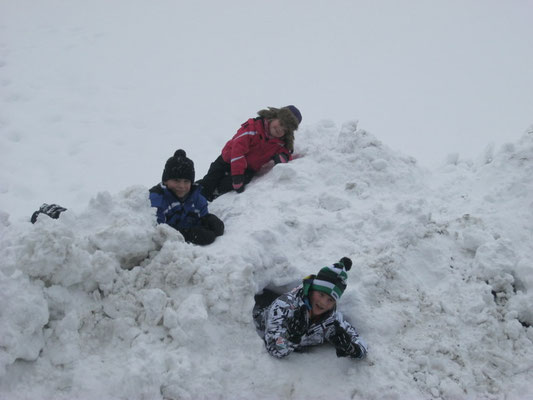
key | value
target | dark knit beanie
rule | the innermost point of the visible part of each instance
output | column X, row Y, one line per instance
column 332, row 279
column 178, row 167
column 295, row 112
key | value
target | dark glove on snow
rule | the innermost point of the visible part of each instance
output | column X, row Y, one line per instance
column 297, row 325
column 343, row 342
column 198, row 235
column 52, row 210
column 281, row 158
column 238, row 183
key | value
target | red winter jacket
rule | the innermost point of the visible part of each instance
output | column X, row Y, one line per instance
column 251, row 147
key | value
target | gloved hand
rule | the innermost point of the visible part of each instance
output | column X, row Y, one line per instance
column 52, row 210
column 343, row 342
column 297, row 325
column 281, row 158
column 238, row 183
column 346, row 262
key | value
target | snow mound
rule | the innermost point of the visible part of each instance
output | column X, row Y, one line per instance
column 105, row 303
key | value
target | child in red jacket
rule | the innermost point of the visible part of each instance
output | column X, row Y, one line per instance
column 270, row 136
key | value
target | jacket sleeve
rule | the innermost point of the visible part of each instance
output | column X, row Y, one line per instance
column 157, row 202
column 356, row 340
column 202, row 206
column 240, row 147
column 276, row 335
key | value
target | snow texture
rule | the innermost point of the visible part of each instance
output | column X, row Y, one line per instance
column 105, row 303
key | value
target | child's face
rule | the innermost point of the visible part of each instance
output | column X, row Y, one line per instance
column 180, row 187
column 276, row 129
column 320, row 303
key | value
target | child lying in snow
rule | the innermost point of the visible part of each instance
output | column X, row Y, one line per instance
column 259, row 140
column 180, row 204
column 307, row 316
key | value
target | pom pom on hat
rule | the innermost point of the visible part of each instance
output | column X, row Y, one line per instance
column 346, row 262
column 178, row 167
column 332, row 279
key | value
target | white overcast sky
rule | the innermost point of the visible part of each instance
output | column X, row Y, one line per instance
column 428, row 78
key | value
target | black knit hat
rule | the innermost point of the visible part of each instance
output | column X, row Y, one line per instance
column 178, row 167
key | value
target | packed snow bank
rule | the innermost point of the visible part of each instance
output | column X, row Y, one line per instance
column 105, row 303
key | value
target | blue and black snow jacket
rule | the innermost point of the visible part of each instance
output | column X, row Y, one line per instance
column 180, row 215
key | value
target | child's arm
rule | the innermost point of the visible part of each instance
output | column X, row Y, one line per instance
column 201, row 203
column 156, row 201
column 240, row 147
column 279, row 341
column 345, row 338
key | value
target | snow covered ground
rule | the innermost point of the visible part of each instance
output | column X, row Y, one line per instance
column 103, row 303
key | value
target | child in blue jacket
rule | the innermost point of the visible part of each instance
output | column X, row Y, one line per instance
column 181, row 205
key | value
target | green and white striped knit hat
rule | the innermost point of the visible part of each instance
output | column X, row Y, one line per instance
column 332, row 279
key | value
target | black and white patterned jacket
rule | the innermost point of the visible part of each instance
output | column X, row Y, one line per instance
column 271, row 325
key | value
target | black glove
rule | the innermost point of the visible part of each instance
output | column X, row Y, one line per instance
column 198, row 235
column 297, row 325
column 343, row 342
column 212, row 223
column 52, row 210
column 238, row 183
column 281, row 158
